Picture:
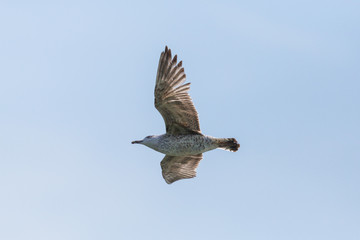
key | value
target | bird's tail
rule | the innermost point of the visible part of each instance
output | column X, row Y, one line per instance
column 229, row 144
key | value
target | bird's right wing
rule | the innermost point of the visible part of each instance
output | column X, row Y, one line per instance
column 179, row 167
column 172, row 99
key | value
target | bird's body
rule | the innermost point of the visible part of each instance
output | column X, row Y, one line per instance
column 183, row 143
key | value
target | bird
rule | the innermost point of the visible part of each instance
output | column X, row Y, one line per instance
column 183, row 143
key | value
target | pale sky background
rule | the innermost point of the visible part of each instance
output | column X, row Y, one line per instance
column 76, row 87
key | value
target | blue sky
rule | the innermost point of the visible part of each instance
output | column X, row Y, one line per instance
column 76, row 87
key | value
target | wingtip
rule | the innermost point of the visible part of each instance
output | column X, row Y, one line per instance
column 167, row 49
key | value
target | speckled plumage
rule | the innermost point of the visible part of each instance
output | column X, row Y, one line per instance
column 183, row 142
column 180, row 145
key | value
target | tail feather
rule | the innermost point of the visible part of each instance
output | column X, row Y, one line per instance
column 229, row 144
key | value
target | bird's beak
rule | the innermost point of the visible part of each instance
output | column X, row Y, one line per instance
column 140, row 141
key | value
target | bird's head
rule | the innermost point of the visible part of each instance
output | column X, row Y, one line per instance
column 146, row 141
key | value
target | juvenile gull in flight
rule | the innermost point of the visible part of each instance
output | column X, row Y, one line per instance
column 183, row 143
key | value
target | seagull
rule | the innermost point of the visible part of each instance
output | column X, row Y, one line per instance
column 183, row 143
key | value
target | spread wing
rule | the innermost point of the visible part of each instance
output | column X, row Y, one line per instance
column 172, row 99
column 179, row 167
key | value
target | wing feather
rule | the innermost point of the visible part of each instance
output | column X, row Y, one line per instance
column 172, row 99
column 175, row 168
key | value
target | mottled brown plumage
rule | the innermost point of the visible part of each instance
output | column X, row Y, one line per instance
column 179, row 167
column 172, row 99
column 183, row 142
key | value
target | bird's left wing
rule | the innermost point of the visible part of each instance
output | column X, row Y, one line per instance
column 172, row 99
column 179, row 167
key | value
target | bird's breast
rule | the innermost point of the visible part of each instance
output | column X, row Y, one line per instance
column 181, row 145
